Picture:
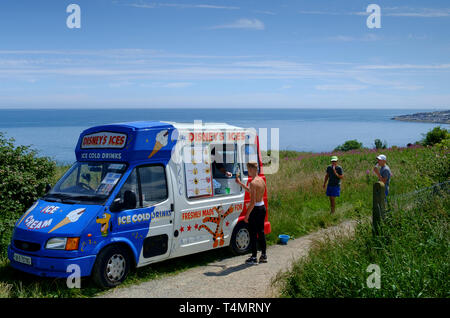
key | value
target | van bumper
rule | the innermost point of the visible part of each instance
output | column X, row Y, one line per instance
column 51, row 266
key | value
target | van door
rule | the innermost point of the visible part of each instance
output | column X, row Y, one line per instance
column 150, row 222
column 155, row 185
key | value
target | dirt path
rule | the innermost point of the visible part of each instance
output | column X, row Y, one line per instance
column 231, row 277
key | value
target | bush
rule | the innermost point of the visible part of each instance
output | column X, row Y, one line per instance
column 23, row 177
column 435, row 136
column 379, row 144
column 349, row 145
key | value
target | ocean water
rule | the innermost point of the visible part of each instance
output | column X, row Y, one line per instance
column 54, row 133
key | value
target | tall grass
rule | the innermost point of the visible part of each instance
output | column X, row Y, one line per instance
column 412, row 253
column 297, row 201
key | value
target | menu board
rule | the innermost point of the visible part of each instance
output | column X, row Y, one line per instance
column 197, row 167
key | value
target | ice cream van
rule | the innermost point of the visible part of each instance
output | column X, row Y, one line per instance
column 139, row 193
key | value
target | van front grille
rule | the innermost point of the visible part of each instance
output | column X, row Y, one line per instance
column 27, row 246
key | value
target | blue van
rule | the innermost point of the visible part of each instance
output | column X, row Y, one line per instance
column 132, row 199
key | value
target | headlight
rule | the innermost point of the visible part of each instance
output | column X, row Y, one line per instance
column 63, row 243
column 56, row 243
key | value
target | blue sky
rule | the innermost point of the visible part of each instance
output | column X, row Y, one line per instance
column 211, row 53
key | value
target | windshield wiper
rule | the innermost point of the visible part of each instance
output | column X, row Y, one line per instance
column 73, row 198
column 49, row 199
column 59, row 197
column 89, row 197
column 56, row 196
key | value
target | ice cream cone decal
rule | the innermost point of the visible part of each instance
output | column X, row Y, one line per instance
column 28, row 212
column 71, row 217
column 162, row 139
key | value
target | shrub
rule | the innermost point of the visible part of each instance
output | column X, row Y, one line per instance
column 379, row 144
column 23, row 177
column 435, row 136
column 349, row 145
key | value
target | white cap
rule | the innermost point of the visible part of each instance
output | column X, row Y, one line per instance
column 381, row 157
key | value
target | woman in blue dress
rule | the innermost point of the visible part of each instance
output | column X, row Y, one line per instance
column 333, row 177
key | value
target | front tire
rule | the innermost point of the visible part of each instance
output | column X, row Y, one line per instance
column 111, row 266
column 240, row 239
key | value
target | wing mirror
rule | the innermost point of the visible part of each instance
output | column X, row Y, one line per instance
column 129, row 202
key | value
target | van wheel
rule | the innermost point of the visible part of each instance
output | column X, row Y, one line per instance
column 240, row 240
column 111, row 266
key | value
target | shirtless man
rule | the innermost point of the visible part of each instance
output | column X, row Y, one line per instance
column 256, row 212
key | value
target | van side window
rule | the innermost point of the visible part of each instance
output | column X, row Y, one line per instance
column 225, row 160
column 130, row 186
column 153, row 184
column 147, row 183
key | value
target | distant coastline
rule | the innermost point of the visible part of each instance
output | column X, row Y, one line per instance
column 440, row 117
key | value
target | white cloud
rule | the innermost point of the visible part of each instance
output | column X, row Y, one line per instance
column 178, row 85
column 265, row 12
column 408, row 87
column 342, row 38
column 369, row 37
column 167, row 85
column 120, row 84
column 417, row 12
column 393, row 12
column 251, row 24
column 118, row 69
column 143, row 5
column 153, row 5
column 405, row 67
column 341, row 87
column 321, row 12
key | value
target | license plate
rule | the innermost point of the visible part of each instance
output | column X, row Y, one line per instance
column 22, row 259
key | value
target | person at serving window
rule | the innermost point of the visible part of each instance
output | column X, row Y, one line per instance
column 219, row 165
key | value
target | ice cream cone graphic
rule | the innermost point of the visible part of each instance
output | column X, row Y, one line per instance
column 71, row 217
column 161, row 140
column 28, row 212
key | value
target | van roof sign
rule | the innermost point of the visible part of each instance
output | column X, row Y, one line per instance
column 104, row 140
column 126, row 142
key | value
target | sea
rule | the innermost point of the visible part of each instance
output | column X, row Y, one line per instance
column 54, row 132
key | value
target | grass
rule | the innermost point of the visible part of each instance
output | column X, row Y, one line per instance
column 297, row 203
column 297, row 206
column 412, row 254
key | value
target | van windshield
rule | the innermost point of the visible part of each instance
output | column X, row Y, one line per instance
column 87, row 182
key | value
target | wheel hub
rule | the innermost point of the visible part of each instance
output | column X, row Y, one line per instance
column 242, row 239
column 115, row 267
